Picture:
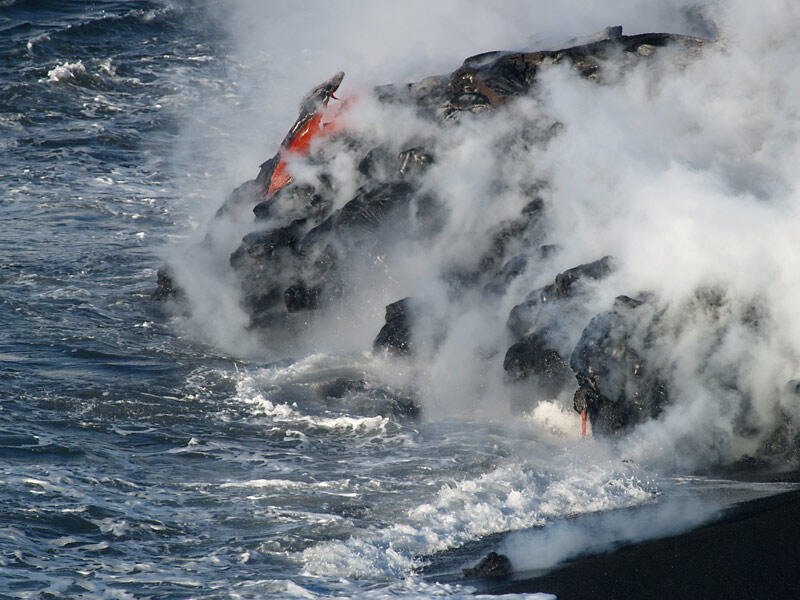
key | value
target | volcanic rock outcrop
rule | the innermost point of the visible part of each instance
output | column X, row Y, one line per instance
column 616, row 386
column 307, row 241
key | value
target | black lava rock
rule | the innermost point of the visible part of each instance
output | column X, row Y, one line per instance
column 535, row 356
column 596, row 270
column 263, row 245
column 247, row 194
column 166, row 288
column 414, row 161
column 618, row 389
column 299, row 297
column 493, row 565
column 395, row 335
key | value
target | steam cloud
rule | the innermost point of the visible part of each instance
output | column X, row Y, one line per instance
column 685, row 173
column 542, row 548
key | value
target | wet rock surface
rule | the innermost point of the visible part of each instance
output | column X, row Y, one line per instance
column 545, row 306
column 395, row 335
column 617, row 388
column 493, row 565
column 165, row 286
column 533, row 356
column 360, row 394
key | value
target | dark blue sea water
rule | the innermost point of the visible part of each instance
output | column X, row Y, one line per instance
column 138, row 459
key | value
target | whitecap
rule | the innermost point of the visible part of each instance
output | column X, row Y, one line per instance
column 107, row 67
column 282, row 484
column 66, row 71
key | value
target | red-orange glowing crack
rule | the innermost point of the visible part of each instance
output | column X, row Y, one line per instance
column 319, row 124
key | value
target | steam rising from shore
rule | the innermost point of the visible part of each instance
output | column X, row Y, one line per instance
column 685, row 172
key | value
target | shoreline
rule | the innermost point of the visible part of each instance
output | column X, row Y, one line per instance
column 752, row 551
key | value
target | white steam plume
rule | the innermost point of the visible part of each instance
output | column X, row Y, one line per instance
column 542, row 549
column 685, row 172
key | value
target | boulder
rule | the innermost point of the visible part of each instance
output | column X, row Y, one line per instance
column 395, row 335
column 488, row 80
column 414, row 161
column 617, row 388
column 366, row 399
column 377, row 164
column 492, row 566
column 596, row 271
column 373, row 206
column 534, row 356
column 545, row 306
column 511, row 269
column 166, row 288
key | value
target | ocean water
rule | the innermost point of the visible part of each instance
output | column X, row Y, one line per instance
column 145, row 453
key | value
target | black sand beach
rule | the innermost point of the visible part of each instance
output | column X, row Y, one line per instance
column 752, row 552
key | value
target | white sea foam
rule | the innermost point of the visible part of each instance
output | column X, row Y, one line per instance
column 311, row 368
column 282, row 484
column 66, row 71
column 511, row 497
column 108, row 67
column 408, row 588
column 291, row 416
